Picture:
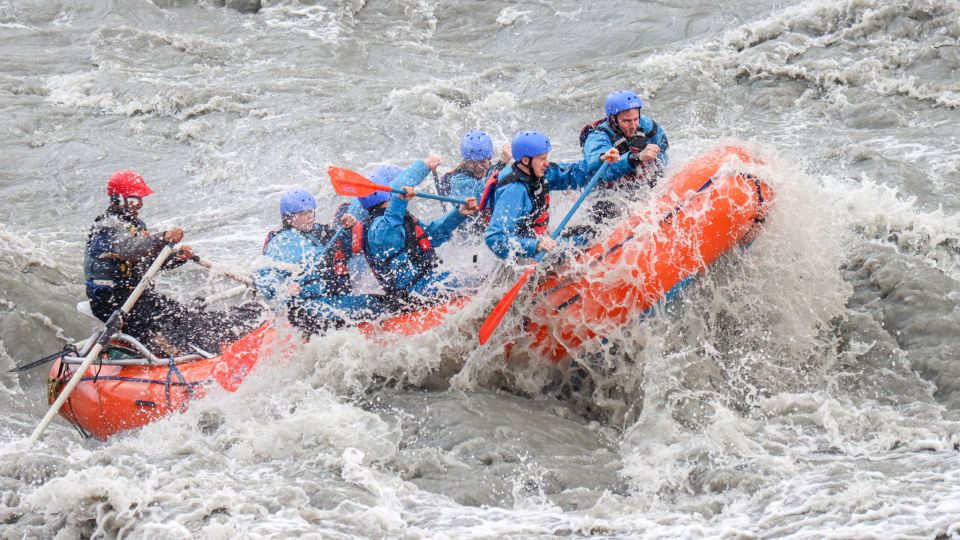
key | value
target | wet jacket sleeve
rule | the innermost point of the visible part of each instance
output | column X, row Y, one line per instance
column 133, row 249
column 571, row 175
column 297, row 260
column 463, row 186
column 386, row 232
column 597, row 143
column 269, row 279
column 512, row 202
column 440, row 230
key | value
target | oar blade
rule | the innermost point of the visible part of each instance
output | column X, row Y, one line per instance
column 350, row 183
column 500, row 311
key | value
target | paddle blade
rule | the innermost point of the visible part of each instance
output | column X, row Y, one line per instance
column 500, row 311
column 352, row 184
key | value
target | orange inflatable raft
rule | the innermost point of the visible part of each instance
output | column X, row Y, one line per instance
column 706, row 211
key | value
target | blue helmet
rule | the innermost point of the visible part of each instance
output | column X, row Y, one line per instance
column 529, row 144
column 373, row 199
column 295, row 201
column 624, row 100
column 385, row 174
column 476, row 145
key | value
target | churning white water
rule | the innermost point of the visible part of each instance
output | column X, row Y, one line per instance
column 807, row 387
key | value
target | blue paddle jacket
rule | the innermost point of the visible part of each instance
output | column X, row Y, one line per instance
column 304, row 261
column 508, row 234
column 602, row 137
column 387, row 246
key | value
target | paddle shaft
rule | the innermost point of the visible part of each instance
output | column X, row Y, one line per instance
column 223, row 295
column 113, row 325
column 333, row 239
column 428, row 196
column 490, row 325
column 210, row 266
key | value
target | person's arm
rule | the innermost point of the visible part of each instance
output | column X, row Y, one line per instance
column 463, row 186
column 412, row 175
column 133, row 249
column 659, row 138
column 440, row 230
column 501, row 237
column 598, row 142
column 271, row 279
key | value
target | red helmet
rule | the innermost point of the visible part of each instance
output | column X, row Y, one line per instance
column 127, row 183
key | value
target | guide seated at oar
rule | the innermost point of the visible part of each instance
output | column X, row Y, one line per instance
column 118, row 250
column 400, row 250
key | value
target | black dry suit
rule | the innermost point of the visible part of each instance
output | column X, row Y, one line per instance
column 118, row 252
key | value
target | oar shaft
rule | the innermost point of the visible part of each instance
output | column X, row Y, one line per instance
column 113, row 325
column 576, row 205
column 432, row 196
column 333, row 239
column 210, row 266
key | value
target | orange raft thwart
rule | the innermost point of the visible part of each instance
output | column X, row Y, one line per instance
column 705, row 212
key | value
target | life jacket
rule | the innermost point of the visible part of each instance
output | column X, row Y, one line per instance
column 535, row 223
column 486, row 199
column 332, row 270
column 624, row 146
column 421, row 257
column 102, row 268
column 336, row 274
column 443, row 183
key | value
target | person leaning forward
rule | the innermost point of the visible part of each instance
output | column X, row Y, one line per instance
column 118, row 251
column 399, row 248
column 521, row 202
column 638, row 137
column 306, row 272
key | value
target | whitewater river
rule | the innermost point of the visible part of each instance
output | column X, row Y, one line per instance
column 808, row 387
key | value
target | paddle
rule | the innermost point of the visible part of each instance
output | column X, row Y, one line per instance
column 353, row 184
column 333, row 239
column 500, row 311
column 210, row 266
column 203, row 301
column 30, row 365
column 112, row 327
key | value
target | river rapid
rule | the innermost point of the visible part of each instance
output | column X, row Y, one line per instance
column 807, row 387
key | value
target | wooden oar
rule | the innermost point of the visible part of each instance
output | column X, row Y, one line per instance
column 210, row 266
column 353, row 184
column 112, row 327
column 500, row 311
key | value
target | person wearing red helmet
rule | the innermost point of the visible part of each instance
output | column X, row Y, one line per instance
column 119, row 249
